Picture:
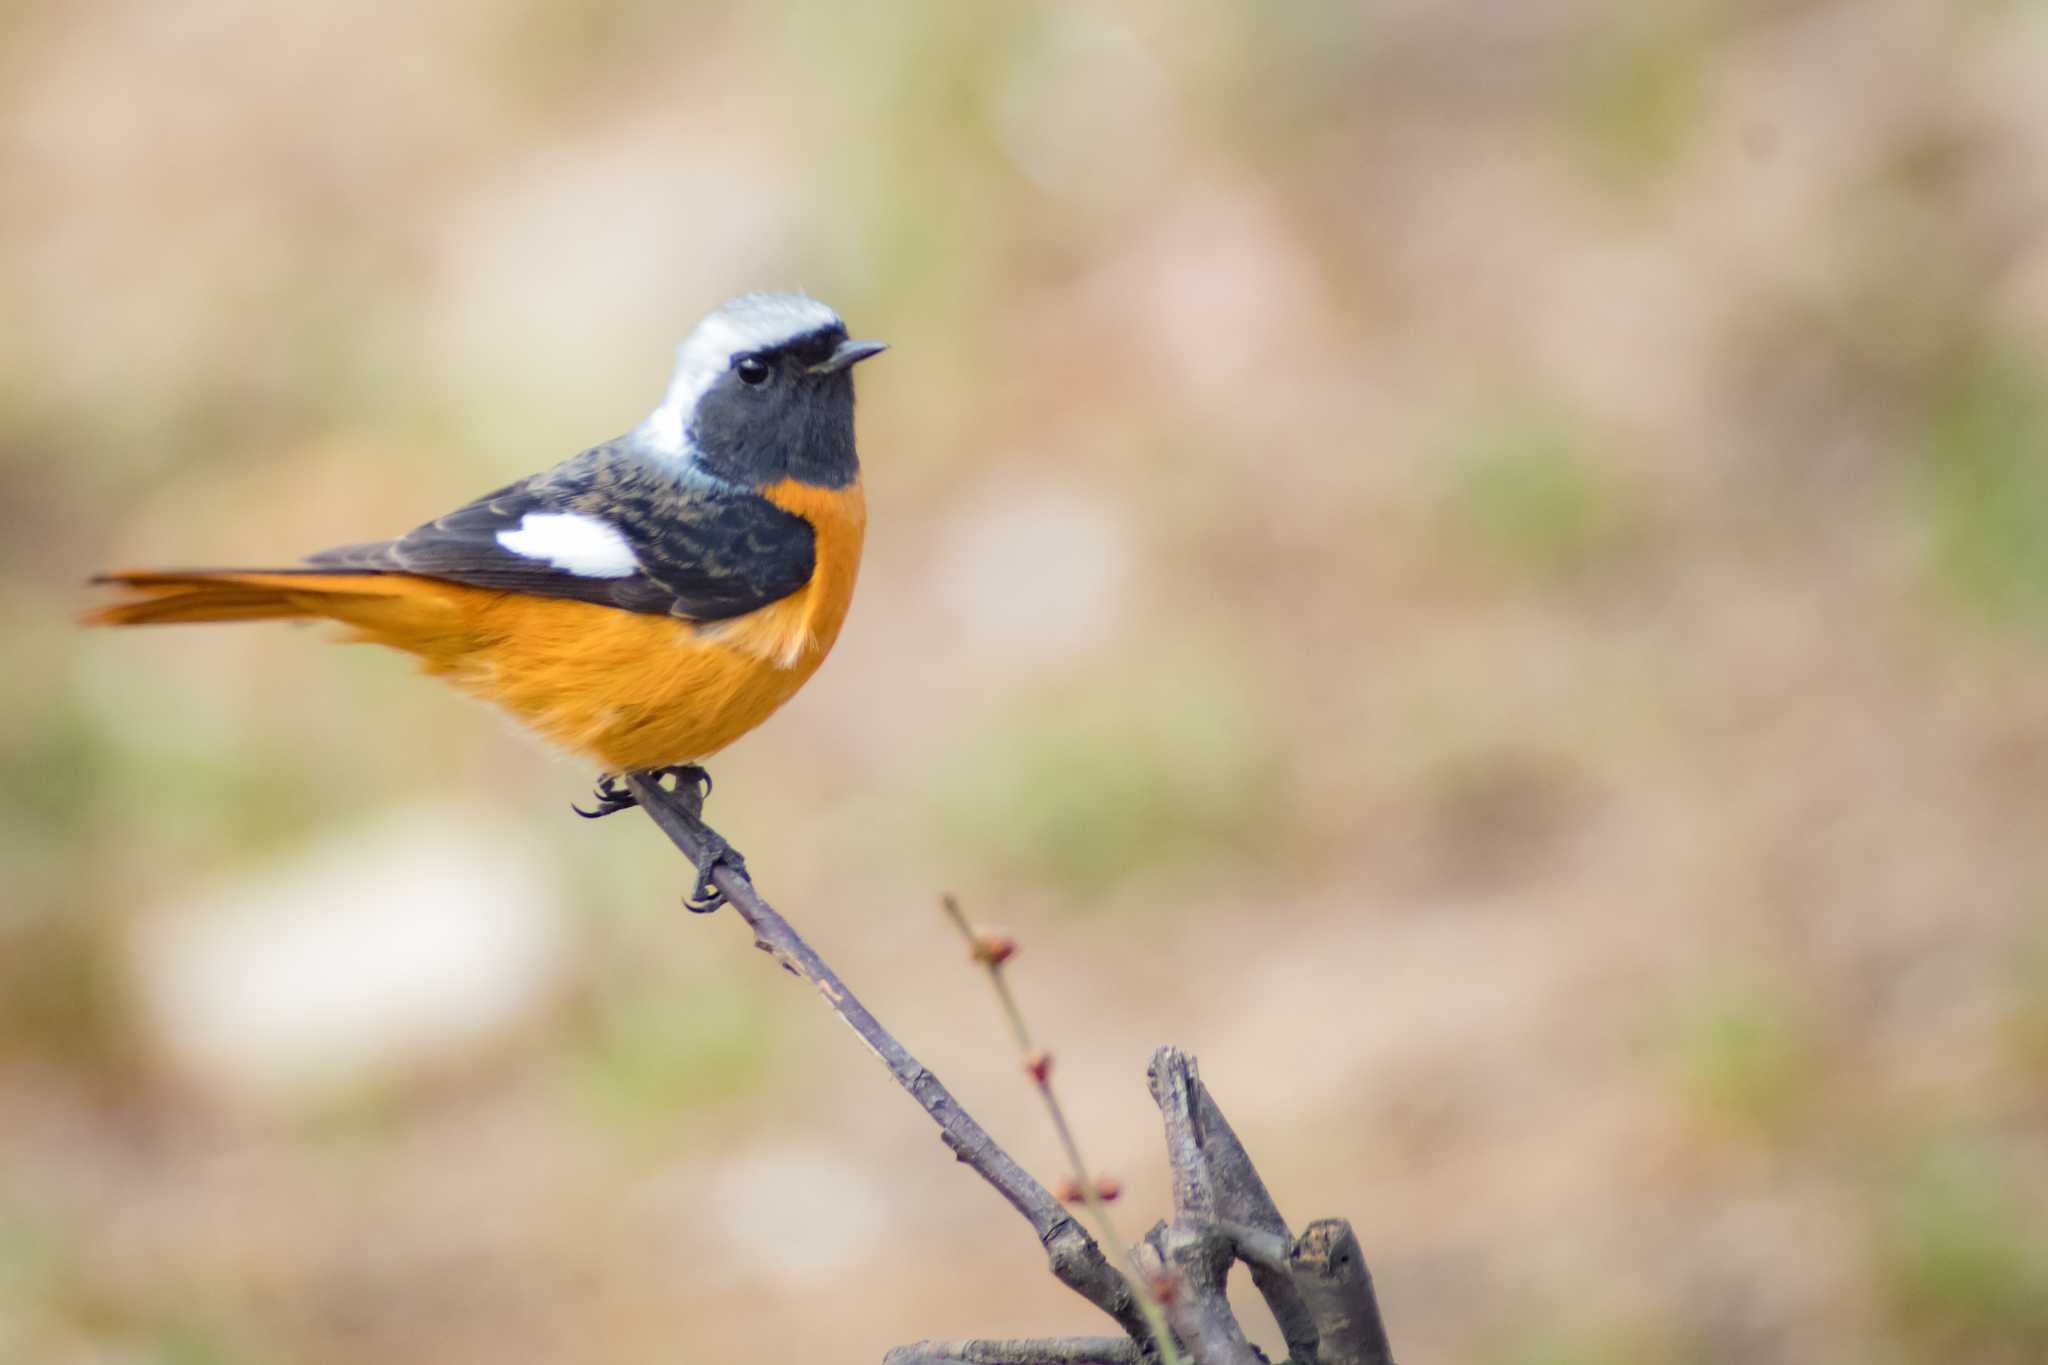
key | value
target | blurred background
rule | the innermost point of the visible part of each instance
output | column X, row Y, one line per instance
column 1483, row 568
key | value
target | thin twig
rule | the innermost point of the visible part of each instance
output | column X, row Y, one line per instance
column 1039, row 1064
column 1022, row 1351
column 1073, row 1255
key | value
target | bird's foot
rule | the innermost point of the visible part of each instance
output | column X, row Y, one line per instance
column 692, row 785
column 712, row 852
column 612, row 797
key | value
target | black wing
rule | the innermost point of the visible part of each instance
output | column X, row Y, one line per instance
column 703, row 553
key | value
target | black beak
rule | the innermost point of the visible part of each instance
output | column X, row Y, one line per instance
column 848, row 353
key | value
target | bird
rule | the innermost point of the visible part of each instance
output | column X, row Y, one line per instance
column 642, row 604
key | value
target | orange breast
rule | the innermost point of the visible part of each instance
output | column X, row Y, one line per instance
column 806, row 623
column 631, row 690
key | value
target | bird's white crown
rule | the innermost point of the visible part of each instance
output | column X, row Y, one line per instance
column 751, row 322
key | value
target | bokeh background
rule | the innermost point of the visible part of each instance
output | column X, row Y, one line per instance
column 1484, row 568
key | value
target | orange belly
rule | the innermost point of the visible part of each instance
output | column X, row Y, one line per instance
column 635, row 691
column 631, row 690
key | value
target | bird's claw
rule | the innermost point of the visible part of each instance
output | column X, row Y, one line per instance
column 713, row 852
column 693, row 785
column 612, row 796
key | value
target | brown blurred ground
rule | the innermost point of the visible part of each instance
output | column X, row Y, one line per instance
column 1509, row 542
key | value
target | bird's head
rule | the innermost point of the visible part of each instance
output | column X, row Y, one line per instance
column 763, row 391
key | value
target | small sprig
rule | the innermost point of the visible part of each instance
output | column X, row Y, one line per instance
column 992, row 950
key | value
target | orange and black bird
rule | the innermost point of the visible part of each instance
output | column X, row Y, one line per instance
column 642, row 604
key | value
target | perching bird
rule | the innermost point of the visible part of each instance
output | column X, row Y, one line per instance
column 643, row 604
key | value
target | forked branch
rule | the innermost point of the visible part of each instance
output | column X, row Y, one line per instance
column 1317, row 1285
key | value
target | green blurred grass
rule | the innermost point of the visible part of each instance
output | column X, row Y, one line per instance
column 1633, row 109
column 1745, row 1055
column 1092, row 785
column 641, row 1057
column 1986, row 488
column 2024, row 1025
column 1529, row 491
column 1961, row 1257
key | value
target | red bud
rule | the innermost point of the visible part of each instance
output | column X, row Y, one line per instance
column 1039, row 1065
column 993, row 949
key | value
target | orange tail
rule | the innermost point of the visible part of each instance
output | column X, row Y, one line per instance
column 181, row 596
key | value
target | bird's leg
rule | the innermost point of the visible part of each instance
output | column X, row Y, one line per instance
column 693, row 785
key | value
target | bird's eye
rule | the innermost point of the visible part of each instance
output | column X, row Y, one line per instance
column 752, row 370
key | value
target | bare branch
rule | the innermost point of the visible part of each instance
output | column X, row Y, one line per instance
column 1214, row 1181
column 1174, row 1086
column 1331, row 1272
column 1201, row 1259
column 1023, row 1351
column 1317, row 1285
column 1188, row 1269
column 1073, row 1255
column 1259, row 1249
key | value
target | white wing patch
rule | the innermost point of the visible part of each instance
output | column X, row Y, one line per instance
column 575, row 543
